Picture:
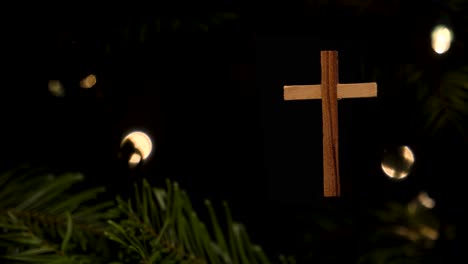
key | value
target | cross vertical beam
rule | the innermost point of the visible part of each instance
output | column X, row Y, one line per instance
column 329, row 91
column 329, row 88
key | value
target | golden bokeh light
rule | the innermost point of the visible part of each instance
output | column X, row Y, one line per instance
column 425, row 200
column 88, row 82
column 429, row 232
column 397, row 163
column 441, row 38
column 56, row 88
column 134, row 160
column 421, row 203
column 142, row 142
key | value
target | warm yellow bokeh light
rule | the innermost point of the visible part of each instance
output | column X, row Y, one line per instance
column 88, row 82
column 397, row 164
column 142, row 142
column 425, row 200
column 441, row 39
column 134, row 159
column 56, row 88
column 429, row 232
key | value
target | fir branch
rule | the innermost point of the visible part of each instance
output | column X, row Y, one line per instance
column 55, row 219
column 30, row 246
column 166, row 244
column 182, row 236
column 50, row 225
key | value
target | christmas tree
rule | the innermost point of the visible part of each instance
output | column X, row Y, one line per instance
column 49, row 218
column 52, row 223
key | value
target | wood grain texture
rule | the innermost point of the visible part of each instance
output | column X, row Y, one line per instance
column 331, row 181
column 330, row 91
column 348, row 90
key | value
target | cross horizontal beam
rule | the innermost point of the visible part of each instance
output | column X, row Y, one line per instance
column 350, row 90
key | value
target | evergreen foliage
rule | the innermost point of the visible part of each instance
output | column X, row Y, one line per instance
column 45, row 220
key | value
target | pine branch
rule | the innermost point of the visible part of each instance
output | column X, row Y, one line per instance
column 29, row 245
column 49, row 219
column 49, row 224
column 163, row 220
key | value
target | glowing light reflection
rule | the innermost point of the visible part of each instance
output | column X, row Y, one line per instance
column 441, row 39
column 142, row 142
column 397, row 163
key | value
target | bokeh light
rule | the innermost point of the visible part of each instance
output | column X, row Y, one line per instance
column 441, row 38
column 88, row 82
column 134, row 160
column 397, row 162
column 425, row 200
column 56, row 88
column 142, row 143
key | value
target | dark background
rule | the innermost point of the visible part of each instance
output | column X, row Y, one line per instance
column 212, row 102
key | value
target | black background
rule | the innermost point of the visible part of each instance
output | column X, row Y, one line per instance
column 213, row 105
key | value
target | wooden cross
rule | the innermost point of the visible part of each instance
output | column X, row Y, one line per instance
column 330, row 90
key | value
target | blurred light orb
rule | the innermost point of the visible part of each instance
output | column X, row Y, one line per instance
column 397, row 162
column 442, row 38
column 134, row 160
column 56, row 88
column 88, row 82
column 425, row 200
column 142, row 142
